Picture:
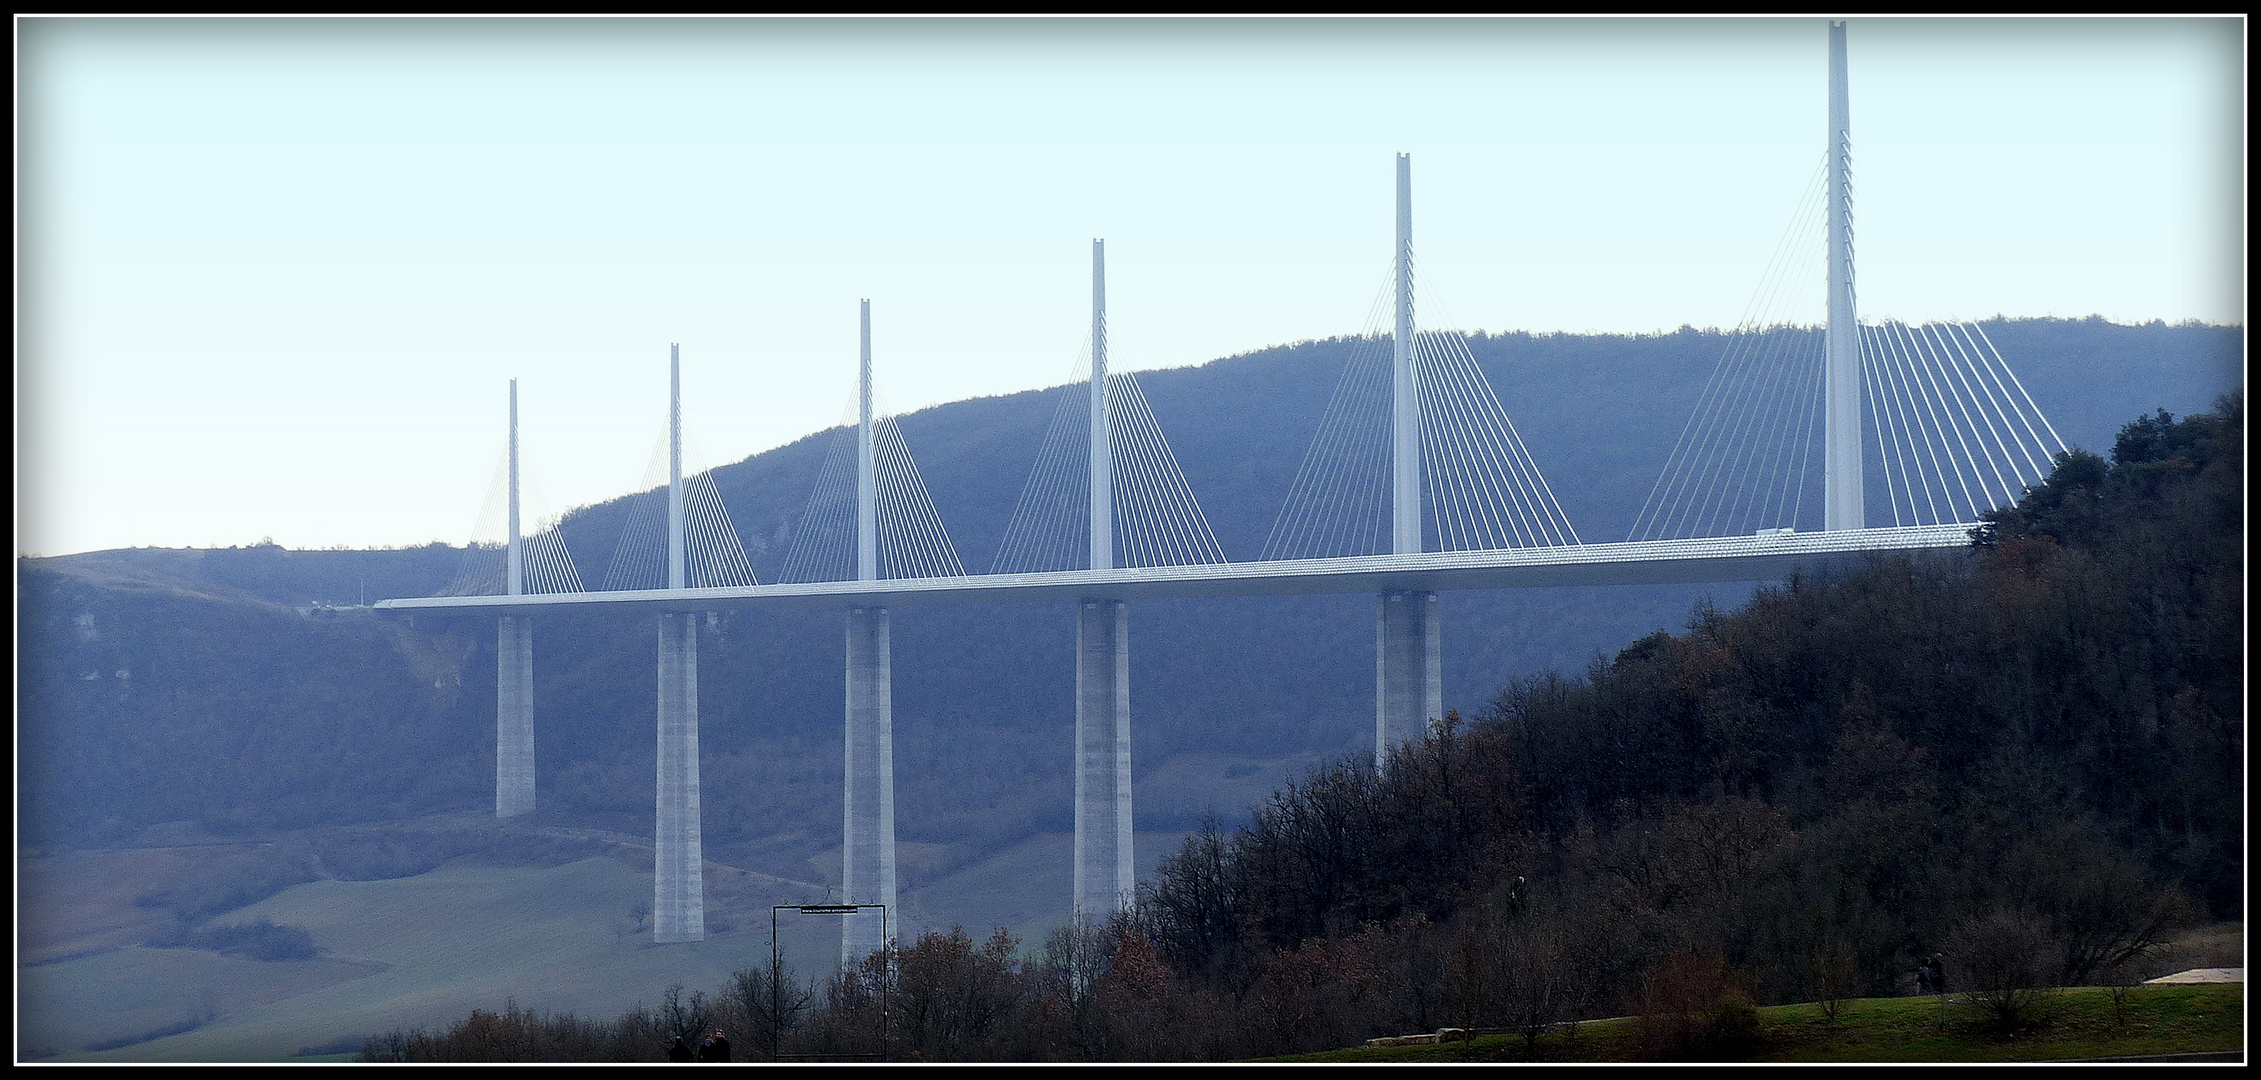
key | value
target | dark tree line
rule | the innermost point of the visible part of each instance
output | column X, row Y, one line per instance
column 1819, row 791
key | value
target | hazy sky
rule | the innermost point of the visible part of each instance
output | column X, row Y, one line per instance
column 273, row 275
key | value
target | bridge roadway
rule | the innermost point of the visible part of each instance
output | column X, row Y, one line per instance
column 1734, row 558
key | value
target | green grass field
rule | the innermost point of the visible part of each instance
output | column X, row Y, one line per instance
column 2072, row 1024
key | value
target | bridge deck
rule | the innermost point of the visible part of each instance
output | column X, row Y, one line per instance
column 1738, row 558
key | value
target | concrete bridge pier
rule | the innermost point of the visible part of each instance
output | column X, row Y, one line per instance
column 1104, row 873
column 514, row 716
column 514, row 665
column 868, row 850
column 678, row 892
column 1408, row 673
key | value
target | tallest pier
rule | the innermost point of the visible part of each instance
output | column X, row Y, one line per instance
column 1842, row 506
column 1408, row 671
column 678, row 861
column 1104, row 872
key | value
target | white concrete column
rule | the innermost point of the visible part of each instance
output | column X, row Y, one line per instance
column 1408, row 671
column 1405, row 404
column 1842, row 503
column 1104, row 873
column 514, row 716
column 868, row 849
column 675, row 540
column 678, row 864
column 514, row 666
column 1102, row 495
column 514, row 558
column 867, row 483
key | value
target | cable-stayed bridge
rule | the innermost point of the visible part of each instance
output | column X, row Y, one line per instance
column 1415, row 483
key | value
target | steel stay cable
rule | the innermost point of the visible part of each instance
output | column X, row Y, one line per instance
column 1436, row 433
column 1146, row 485
column 1558, row 520
column 1936, row 437
column 1029, row 541
column 1485, row 477
column 1998, row 398
column 1512, row 464
column 1014, row 548
column 1906, row 400
column 1782, row 459
column 1497, row 480
column 1505, row 517
column 1960, row 393
column 1737, row 458
column 1312, row 507
column 803, row 556
column 938, row 556
column 1189, row 527
column 902, row 551
column 1198, row 542
column 1774, row 463
column 2020, row 384
column 1766, row 504
column 1768, row 369
column 896, row 559
column 1307, row 519
column 1357, row 492
column 1943, row 400
column 946, row 552
column 1768, row 297
column 1692, row 494
column 1879, row 417
column 1983, row 402
column 1134, row 542
column 2009, row 405
column 1924, row 429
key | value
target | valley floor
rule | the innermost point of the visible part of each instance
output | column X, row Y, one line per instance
column 428, row 948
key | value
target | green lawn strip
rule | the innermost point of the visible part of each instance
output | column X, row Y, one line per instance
column 2070, row 1024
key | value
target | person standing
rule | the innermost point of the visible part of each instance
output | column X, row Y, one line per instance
column 716, row 1048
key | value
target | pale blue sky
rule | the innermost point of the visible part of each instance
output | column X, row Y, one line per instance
column 273, row 276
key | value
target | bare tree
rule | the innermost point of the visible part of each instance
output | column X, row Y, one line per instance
column 685, row 1018
column 2003, row 961
column 771, row 1000
column 1836, row 974
column 1078, row 956
column 1537, row 987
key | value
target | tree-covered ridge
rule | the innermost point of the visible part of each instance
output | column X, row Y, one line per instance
column 2040, row 741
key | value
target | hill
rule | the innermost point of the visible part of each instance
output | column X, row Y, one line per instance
column 239, row 700
column 213, row 688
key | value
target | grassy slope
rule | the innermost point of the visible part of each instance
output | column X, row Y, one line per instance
column 2077, row 1023
column 428, row 949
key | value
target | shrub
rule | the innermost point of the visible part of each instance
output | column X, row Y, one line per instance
column 1696, row 1007
column 2002, row 961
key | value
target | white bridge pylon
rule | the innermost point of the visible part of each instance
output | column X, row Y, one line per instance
column 1416, row 482
column 1930, row 416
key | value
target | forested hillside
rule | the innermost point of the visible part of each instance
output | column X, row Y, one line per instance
column 2030, row 761
column 159, row 686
